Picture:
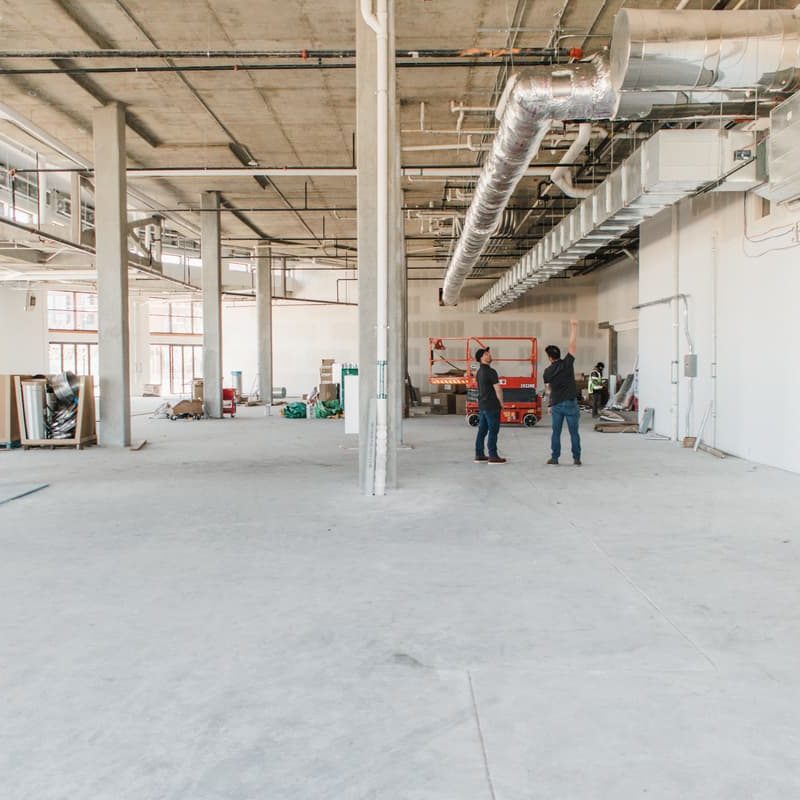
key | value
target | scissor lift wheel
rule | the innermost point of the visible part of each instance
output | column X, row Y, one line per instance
column 530, row 420
column 472, row 420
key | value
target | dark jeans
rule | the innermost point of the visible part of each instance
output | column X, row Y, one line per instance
column 488, row 422
column 569, row 411
column 597, row 402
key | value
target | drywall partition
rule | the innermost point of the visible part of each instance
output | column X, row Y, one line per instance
column 23, row 331
column 544, row 312
column 738, row 270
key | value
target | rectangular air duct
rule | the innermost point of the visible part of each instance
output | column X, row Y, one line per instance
column 783, row 155
column 673, row 164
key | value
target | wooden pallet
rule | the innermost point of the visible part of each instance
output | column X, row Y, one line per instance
column 617, row 427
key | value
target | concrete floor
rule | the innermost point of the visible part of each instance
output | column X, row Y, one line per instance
column 221, row 615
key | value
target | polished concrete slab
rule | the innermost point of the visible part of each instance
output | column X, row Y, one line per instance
column 222, row 615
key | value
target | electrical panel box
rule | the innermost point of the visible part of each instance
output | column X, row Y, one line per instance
column 690, row 365
column 743, row 163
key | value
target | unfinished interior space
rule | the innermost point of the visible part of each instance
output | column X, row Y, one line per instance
column 295, row 299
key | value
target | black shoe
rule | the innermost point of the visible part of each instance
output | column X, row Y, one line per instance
column 496, row 460
column 577, row 462
column 552, row 461
column 481, row 459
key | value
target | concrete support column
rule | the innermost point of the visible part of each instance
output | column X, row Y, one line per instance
column 212, row 304
column 366, row 159
column 264, row 321
column 111, row 226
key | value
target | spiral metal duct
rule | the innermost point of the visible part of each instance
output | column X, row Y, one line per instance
column 744, row 50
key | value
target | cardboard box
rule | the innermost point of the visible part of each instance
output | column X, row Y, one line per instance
column 453, row 388
column 461, row 405
column 443, row 403
column 328, row 392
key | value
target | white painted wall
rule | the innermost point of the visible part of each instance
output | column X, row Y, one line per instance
column 303, row 333
column 23, row 333
column 758, row 284
column 139, row 323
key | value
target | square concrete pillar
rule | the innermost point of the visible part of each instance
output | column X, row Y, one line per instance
column 212, row 303
column 111, row 226
column 264, row 321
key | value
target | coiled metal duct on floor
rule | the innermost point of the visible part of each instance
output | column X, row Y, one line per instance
column 531, row 102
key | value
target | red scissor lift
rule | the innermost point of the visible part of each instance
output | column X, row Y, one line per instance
column 521, row 404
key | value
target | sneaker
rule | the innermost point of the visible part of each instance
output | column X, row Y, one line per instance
column 552, row 461
column 481, row 459
column 577, row 462
column 497, row 460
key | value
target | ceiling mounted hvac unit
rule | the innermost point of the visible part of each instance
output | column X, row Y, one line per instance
column 783, row 155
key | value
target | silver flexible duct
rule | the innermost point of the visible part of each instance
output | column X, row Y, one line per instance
column 531, row 102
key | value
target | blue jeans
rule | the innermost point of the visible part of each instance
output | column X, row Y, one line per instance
column 488, row 422
column 570, row 411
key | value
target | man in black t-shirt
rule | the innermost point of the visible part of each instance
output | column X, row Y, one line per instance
column 560, row 377
column 490, row 404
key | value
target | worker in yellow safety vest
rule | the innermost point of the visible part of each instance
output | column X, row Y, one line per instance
column 596, row 387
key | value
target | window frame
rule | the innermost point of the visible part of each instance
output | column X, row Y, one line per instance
column 73, row 309
column 195, row 318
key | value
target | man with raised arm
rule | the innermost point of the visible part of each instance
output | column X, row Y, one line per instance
column 560, row 380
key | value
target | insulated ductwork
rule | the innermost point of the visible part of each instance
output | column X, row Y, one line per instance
column 745, row 50
column 680, row 58
column 531, row 102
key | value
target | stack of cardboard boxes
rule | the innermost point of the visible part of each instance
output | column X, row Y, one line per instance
column 450, row 399
column 328, row 390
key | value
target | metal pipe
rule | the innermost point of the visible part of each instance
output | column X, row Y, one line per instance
column 304, row 55
column 714, row 280
column 530, row 103
column 561, row 175
column 676, row 264
column 179, row 69
column 243, row 172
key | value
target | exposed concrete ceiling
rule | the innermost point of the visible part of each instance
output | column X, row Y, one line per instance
column 302, row 116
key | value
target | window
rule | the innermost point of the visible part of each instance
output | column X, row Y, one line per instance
column 72, row 311
column 82, row 359
column 176, row 317
column 175, row 365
